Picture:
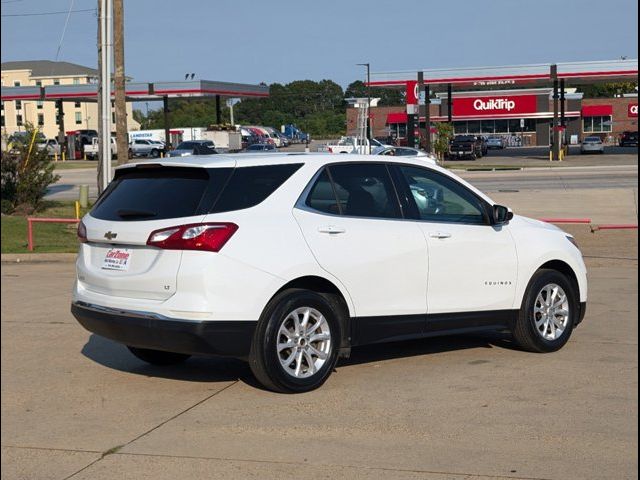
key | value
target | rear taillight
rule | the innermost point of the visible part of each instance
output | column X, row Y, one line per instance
column 209, row 237
column 82, row 233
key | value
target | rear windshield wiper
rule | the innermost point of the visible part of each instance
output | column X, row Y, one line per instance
column 124, row 213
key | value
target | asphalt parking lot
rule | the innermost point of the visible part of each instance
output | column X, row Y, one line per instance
column 469, row 407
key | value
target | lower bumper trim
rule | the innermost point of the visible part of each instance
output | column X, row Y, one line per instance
column 214, row 337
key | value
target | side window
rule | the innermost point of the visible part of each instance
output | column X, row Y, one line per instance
column 322, row 197
column 365, row 190
column 249, row 186
column 437, row 198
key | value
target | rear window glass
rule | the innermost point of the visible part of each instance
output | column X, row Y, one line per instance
column 248, row 186
column 167, row 192
column 159, row 193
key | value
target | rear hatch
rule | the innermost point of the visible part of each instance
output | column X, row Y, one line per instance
column 116, row 260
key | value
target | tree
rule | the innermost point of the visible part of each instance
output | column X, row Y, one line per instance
column 388, row 97
column 608, row 90
column 26, row 172
column 444, row 133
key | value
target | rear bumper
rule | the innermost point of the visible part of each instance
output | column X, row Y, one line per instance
column 148, row 330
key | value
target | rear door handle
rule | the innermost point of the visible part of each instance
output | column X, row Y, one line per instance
column 331, row 229
column 440, row 235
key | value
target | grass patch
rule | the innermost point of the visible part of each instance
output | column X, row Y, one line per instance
column 48, row 237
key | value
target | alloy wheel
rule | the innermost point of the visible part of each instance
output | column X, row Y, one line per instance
column 551, row 312
column 304, row 342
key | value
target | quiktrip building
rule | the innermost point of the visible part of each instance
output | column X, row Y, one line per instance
column 522, row 103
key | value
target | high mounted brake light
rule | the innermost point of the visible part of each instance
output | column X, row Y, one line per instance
column 210, row 237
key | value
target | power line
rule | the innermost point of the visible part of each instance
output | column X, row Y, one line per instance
column 64, row 30
column 66, row 12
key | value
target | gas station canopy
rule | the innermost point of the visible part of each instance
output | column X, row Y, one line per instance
column 575, row 73
column 138, row 92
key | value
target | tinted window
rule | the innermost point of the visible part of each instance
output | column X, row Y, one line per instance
column 248, row 186
column 158, row 193
column 185, row 146
column 322, row 197
column 406, row 152
column 437, row 198
column 365, row 190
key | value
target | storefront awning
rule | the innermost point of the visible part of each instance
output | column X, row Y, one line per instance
column 597, row 110
column 397, row 117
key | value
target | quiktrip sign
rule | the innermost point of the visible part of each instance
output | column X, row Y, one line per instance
column 494, row 105
column 413, row 93
column 632, row 110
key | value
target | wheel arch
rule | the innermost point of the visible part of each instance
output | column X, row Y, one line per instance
column 559, row 266
column 322, row 285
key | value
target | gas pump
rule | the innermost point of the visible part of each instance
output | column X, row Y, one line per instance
column 76, row 140
column 74, row 145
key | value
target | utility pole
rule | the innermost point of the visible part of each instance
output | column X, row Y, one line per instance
column 100, row 170
column 104, row 130
column 122, row 136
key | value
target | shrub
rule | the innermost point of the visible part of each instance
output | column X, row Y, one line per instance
column 444, row 133
column 26, row 171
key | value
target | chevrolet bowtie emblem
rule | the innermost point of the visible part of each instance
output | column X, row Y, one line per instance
column 110, row 235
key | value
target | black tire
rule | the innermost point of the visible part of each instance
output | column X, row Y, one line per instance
column 154, row 153
column 158, row 357
column 263, row 358
column 524, row 330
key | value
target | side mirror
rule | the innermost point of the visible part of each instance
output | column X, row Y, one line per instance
column 501, row 215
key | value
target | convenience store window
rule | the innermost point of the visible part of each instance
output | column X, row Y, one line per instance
column 599, row 124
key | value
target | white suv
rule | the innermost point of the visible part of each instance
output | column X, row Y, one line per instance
column 289, row 260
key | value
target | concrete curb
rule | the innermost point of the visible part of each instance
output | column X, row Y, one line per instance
column 38, row 257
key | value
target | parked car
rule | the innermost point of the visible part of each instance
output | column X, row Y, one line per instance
column 51, row 145
column 592, row 144
column 285, row 142
column 352, row 144
column 466, row 146
column 404, row 152
column 248, row 137
column 289, row 261
column 628, row 139
column 261, row 147
column 193, row 147
column 261, row 135
column 496, row 142
column 146, row 148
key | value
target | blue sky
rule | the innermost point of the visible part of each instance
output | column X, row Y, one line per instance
column 283, row 40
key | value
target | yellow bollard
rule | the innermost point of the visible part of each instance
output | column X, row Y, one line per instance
column 55, row 156
column 63, row 156
column 551, row 155
column 77, row 210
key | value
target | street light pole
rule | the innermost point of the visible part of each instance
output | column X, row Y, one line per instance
column 368, row 67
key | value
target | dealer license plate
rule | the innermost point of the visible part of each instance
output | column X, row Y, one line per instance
column 117, row 259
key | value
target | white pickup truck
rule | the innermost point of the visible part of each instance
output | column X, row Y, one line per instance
column 143, row 147
column 91, row 150
column 352, row 145
column 51, row 145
